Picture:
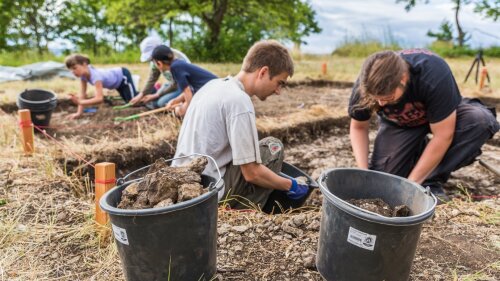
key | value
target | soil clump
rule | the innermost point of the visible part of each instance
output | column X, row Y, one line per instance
column 164, row 185
column 380, row 207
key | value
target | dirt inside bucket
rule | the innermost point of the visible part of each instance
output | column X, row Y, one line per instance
column 379, row 206
column 164, row 185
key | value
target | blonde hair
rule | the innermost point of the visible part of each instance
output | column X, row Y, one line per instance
column 268, row 53
column 381, row 75
column 75, row 59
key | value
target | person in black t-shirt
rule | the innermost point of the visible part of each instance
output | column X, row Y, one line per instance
column 415, row 94
column 189, row 77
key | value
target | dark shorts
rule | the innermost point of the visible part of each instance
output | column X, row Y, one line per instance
column 397, row 149
column 127, row 88
column 240, row 194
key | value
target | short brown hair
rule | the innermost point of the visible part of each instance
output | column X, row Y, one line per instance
column 380, row 75
column 268, row 53
column 75, row 59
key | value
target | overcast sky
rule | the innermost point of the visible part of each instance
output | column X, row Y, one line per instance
column 358, row 18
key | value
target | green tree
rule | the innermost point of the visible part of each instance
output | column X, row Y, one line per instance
column 217, row 25
column 279, row 19
column 136, row 17
column 81, row 22
column 7, row 8
column 33, row 23
column 445, row 32
column 490, row 9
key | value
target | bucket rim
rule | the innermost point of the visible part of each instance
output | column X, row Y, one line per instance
column 54, row 98
column 156, row 211
column 371, row 216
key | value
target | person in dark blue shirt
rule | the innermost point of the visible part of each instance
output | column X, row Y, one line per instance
column 189, row 77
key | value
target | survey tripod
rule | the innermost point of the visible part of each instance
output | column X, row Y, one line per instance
column 477, row 60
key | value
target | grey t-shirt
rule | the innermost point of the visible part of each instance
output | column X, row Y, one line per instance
column 220, row 122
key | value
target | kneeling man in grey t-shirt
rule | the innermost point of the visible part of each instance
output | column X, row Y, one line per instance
column 220, row 122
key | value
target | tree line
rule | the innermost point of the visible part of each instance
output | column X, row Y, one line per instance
column 209, row 30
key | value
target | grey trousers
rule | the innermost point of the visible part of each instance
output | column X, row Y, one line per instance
column 397, row 149
column 240, row 194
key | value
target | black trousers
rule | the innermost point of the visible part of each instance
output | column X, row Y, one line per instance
column 127, row 88
column 397, row 149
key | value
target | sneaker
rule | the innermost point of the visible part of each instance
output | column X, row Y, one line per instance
column 437, row 189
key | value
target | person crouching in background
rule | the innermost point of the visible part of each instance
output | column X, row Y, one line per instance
column 118, row 78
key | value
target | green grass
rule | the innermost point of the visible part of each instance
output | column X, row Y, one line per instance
column 358, row 48
column 18, row 58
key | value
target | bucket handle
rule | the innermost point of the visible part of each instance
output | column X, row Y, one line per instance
column 430, row 194
column 211, row 186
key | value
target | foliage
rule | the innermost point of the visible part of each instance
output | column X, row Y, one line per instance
column 493, row 52
column 448, row 50
column 207, row 29
column 220, row 30
column 366, row 44
column 22, row 57
column 488, row 8
column 83, row 23
column 30, row 23
column 359, row 48
column 445, row 34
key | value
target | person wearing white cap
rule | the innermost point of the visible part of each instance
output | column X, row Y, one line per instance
column 152, row 97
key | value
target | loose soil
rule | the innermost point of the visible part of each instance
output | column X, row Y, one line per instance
column 380, row 207
column 47, row 230
column 164, row 185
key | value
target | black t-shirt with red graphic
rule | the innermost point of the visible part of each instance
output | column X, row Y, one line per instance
column 431, row 94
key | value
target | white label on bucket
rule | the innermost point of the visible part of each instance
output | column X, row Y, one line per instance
column 120, row 234
column 361, row 239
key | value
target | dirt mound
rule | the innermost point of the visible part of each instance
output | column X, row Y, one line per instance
column 164, row 185
column 379, row 206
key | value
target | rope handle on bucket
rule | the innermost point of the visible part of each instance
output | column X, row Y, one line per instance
column 108, row 181
column 24, row 124
column 121, row 181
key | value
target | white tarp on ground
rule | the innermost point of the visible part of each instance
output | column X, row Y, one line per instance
column 39, row 70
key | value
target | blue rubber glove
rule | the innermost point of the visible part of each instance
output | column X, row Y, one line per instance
column 297, row 190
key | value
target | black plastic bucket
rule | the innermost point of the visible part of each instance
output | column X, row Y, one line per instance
column 278, row 201
column 356, row 244
column 177, row 242
column 41, row 103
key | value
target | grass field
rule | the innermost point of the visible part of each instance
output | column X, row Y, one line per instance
column 338, row 69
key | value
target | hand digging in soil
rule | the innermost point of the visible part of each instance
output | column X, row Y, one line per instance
column 164, row 185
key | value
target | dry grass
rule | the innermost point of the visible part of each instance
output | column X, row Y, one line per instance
column 47, row 231
column 339, row 69
column 313, row 114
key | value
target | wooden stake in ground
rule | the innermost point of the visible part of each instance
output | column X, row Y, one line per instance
column 323, row 68
column 484, row 74
column 26, row 131
column 104, row 181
